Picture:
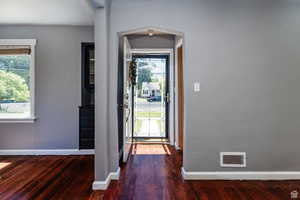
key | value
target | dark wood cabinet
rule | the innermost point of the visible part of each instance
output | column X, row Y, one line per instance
column 89, row 63
column 86, row 127
column 87, row 109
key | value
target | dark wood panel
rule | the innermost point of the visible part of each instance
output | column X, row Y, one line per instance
column 152, row 173
column 87, row 89
column 87, row 122
column 87, row 133
column 86, row 127
column 87, row 109
column 180, row 97
column 87, row 143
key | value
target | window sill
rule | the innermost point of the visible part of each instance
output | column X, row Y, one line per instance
column 18, row 120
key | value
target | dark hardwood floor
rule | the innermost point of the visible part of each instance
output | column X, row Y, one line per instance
column 46, row 177
column 152, row 173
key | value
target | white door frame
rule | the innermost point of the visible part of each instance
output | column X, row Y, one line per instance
column 127, row 126
column 170, row 52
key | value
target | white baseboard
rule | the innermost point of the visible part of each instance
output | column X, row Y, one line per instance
column 103, row 185
column 249, row 175
column 47, row 152
column 115, row 175
column 177, row 147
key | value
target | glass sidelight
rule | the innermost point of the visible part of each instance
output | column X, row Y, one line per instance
column 151, row 96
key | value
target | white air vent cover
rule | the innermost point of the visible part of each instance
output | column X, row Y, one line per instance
column 233, row 159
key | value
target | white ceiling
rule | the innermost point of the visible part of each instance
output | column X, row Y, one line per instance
column 56, row 12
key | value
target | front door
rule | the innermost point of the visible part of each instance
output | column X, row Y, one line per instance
column 127, row 102
column 151, row 96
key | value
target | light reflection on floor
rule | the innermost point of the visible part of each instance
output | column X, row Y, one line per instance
column 150, row 149
column 4, row 164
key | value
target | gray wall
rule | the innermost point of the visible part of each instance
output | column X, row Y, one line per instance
column 58, row 79
column 156, row 41
column 102, row 138
column 246, row 56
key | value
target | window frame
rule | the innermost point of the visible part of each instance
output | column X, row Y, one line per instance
column 32, row 44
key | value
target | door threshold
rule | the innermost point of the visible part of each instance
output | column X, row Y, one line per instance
column 151, row 140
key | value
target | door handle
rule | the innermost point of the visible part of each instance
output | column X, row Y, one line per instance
column 128, row 115
column 167, row 98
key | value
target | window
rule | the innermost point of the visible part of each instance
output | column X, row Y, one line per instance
column 17, row 80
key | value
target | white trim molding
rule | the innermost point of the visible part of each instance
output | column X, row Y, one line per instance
column 103, row 185
column 115, row 175
column 17, row 120
column 146, row 29
column 170, row 52
column 47, row 152
column 154, row 51
column 29, row 42
column 32, row 43
column 241, row 175
column 176, row 146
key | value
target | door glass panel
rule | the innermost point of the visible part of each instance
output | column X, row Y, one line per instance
column 149, row 101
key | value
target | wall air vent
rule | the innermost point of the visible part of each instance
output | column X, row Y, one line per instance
column 233, row 159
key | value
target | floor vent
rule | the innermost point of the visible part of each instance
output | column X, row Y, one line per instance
column 233, row 159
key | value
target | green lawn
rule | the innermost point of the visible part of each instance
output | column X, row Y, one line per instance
column 161, row 126
column 141, row 100
column 148, row 114
column 137, row 125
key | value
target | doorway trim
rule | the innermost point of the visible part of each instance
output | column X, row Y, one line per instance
column 170, row 52
column 178, row 43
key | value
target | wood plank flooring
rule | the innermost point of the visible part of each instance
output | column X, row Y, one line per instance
column 152, row 173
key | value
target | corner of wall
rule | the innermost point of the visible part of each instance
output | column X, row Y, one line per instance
column 103, row 185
